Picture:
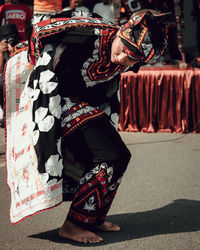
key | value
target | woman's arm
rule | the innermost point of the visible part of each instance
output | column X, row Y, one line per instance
column 3, row 50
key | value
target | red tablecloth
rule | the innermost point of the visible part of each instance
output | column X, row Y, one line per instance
column 160, row 99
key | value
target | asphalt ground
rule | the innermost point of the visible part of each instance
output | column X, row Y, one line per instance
column 157, row 205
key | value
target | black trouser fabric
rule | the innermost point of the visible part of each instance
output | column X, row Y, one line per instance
column 100, row 148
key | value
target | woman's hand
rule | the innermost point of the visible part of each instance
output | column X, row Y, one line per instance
column 3, row 46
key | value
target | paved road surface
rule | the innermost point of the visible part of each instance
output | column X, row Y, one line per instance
column 157, row 205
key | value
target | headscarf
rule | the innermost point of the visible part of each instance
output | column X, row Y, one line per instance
column 144, row 36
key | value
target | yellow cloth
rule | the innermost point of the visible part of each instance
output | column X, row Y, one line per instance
column 46, row 6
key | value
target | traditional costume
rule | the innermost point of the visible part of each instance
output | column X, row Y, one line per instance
column 61, row 142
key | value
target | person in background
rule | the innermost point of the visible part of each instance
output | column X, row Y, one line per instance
column 105, row 8
column 4, row 47
column 76, row 5
column 46, row 6
column 29, row 3
column 9, row 37
column 16, row 13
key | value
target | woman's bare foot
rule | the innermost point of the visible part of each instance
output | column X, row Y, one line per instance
column 108, row 227
column 73, row 232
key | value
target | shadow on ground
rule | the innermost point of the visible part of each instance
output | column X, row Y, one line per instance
column 179, row 216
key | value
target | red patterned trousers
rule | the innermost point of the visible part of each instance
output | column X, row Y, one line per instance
column 94, row 196
column 101, row 150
